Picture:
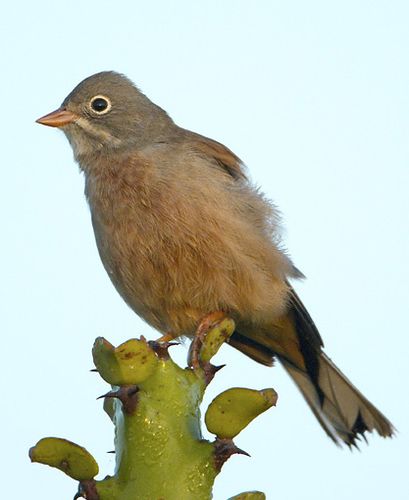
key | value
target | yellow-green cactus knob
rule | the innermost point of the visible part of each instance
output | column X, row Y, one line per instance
column 130, row 363
column 65, row 455
column 232, row 410
column 249, row 495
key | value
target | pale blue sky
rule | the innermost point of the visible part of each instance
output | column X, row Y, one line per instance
column 313, row 96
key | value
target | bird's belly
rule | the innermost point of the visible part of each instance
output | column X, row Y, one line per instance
column 172, row 279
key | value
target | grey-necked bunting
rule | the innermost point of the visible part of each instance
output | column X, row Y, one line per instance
column 183, row 233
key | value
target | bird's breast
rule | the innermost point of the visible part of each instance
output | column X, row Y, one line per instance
column 128, row 237
column 176, row 248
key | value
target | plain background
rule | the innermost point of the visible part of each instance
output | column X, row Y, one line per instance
column 313, row 96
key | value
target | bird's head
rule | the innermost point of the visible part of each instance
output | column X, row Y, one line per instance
column 106, row 111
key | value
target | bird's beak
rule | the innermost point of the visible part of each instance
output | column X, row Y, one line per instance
column 58, row 118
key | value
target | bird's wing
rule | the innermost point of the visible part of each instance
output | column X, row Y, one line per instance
column 223, row 156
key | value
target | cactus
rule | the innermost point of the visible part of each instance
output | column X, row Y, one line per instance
column 154, row 405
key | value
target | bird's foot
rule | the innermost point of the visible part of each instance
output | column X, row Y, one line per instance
column 168, row 337
column 207, row 323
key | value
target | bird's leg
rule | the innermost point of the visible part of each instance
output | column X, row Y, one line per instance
column 206, row 324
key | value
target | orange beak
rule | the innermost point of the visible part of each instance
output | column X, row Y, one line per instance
column 58, row 118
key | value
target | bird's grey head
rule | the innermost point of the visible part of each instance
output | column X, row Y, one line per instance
column 107, row 112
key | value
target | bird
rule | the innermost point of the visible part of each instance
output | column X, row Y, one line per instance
column 184, row 233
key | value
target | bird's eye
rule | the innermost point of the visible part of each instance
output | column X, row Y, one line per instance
column 100, row 104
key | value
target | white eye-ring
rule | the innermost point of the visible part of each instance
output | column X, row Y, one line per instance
column 100, row 104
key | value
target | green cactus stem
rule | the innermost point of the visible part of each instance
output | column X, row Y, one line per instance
column 154, row 405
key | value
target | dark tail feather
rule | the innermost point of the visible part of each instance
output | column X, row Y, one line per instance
column 343, row 412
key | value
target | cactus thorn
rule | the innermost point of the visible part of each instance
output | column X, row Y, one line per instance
column 110, row 394
column 87, row 489
column 127, row 394
column 210, row 371
column 161, row 348
column 223, row 450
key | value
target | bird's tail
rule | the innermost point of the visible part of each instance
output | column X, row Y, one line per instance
column 343, row 412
